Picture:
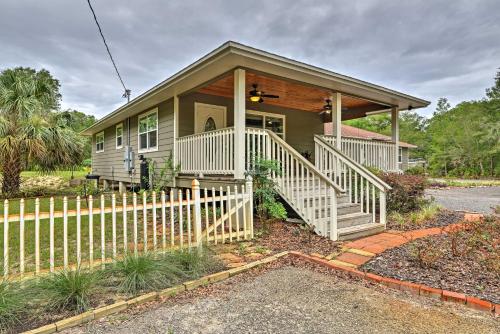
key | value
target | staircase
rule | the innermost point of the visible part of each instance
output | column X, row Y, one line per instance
column 337, row 196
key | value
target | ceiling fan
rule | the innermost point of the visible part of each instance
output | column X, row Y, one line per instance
column 327, row 108
column 258, row 95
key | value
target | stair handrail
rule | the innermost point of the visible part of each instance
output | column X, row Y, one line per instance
column 300, row 157
column 362, row 170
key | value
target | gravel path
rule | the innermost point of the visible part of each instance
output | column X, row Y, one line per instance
column 299, row 300
column 480, row 199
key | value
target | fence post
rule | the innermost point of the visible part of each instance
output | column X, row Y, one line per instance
column 195, row 187
column 6, row 238
column 249, row 212
column 383, row 209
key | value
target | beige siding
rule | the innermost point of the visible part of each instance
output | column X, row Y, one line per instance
column 109, row 164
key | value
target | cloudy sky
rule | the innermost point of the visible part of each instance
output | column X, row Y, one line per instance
column 429, row 49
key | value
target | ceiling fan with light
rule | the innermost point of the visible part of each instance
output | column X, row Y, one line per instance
column 258, row 95
column 327, row 108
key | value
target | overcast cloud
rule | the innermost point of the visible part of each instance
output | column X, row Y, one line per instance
column 429, row 49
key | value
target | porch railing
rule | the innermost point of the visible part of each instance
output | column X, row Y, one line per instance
column 359, row 184
column 207, row 153
column 371, row 153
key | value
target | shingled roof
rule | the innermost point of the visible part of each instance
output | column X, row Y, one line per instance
column 353, row 132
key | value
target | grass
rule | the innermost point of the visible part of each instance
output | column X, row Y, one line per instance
column 146, row 272
column 194, row 263
column 10, row 306
column 455, row 182
column 415, row 218
column 65, row 174
column 69, row 290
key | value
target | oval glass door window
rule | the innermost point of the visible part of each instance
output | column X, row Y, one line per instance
column 210, row 125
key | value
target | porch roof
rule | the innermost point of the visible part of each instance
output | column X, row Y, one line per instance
column 232, row 55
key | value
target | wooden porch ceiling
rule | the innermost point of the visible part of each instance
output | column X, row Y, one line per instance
column 292, row 95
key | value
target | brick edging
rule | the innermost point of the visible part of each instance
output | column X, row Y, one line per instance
column 414, row 288
column 149, row 297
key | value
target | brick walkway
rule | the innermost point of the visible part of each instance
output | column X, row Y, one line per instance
column 356, row 253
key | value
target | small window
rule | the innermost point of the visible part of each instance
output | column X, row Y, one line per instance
column 119, row 136
column 99, row 142
column 210, row 125
column 148, row 132
column 400, row 155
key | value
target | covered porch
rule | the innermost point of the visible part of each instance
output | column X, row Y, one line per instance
column 216, row 121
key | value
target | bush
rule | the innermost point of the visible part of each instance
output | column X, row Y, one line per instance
column 145, row 272
column 10, row 307
column 407, row 193
column 417, row 170
column 194, row 263
column 69, row 290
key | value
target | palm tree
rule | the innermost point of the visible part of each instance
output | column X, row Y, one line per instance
column 29, row 131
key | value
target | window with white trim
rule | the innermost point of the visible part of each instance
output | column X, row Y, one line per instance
column 119, row 136
column 262, row 120
column 148, row 131
column 99, row 142
column 400, row 155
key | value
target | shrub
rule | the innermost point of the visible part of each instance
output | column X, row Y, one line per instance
column 69, row 290
column 407, row 193
column 194, row 263
column 417, row 170
column 426, row 251
column 144, row 272
column 10, row 307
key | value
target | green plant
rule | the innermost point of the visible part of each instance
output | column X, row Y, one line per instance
column 161, row 180
column 194, row 263
column 261, row 250
column 10, row 306
column 407, row 193
column 69, row 290
column 426, row 252
column 265, row 192
column 145, row 272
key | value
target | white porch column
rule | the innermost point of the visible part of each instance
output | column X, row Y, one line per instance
column 239, row 124
column 337, row 119
column 395, row 135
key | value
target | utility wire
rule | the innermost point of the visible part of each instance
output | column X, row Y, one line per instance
column 127, row 92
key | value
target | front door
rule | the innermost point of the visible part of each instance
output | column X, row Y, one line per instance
column 209, row 117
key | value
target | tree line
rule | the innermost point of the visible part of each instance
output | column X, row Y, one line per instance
column 459, row 141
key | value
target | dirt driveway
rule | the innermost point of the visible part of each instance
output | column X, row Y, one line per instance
column 298, row 300
column 478, row 199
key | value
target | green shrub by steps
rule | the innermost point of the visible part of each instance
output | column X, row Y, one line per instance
column 11, row 306
column 146, row 272
column 407, row 193
column 69, row 290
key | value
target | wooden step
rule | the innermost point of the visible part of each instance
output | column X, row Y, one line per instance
column 341, row 199
column 359, row 231
column 353, row 219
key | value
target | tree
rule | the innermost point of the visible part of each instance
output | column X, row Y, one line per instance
column 493, row 93
column 442, row 106
column 29, row 131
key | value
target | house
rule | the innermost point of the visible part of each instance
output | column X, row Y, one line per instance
column 238, row 103
column 366, row 138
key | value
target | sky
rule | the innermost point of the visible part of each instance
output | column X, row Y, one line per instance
column 429, row 49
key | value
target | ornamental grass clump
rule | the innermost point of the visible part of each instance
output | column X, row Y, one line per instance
column 145, row 272
column 195, row 263
column 69, row 290
column 10, row 306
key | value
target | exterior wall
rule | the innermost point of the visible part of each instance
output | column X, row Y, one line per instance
column 109, row 164
column 300, row 126
column 405, row 158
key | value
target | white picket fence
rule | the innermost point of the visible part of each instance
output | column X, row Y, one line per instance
column 102, row 231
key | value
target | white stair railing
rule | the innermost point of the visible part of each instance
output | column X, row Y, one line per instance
column 372, row 153
column 310, row 193
column 208, row 153
column 361, row 186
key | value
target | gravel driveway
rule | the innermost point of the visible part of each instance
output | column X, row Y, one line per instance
column 299, row 300
column 479, row 199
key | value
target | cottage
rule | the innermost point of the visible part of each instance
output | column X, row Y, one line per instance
column 238, row 103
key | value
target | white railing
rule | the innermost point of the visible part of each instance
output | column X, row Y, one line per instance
column 208, row 153
column 361, row 186
column 310, row 193
column 49, row 234
column 371, row 153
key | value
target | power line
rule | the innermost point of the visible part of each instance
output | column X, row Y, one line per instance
column 127, row 92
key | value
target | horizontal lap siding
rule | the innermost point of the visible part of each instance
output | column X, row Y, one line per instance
column 111, row 157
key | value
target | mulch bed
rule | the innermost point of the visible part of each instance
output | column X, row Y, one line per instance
column 283, row 236
column 465, row 274
column 443, row 218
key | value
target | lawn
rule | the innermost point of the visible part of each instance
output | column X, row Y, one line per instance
column 65, row 174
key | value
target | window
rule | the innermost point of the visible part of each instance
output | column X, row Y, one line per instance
column 148, row 131
column 400, row 155
column 262, row 120
column 99, row 142
column 119, row 136
column 210, row 125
